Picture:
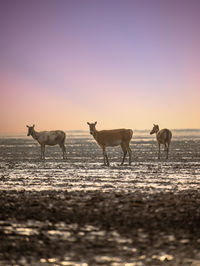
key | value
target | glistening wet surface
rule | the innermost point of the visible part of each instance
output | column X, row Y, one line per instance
column 78, row 211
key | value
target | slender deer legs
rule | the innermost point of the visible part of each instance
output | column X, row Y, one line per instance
column 158, row 151
column 130, row 155
column 124, row 149
column 105, row 157
column 42, row 152
column 62, row 146
column 167, row 150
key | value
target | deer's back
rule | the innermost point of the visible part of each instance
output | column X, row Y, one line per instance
column 114, row 137
column 164, row 136
column 51, row 137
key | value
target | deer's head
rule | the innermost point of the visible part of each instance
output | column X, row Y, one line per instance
column 92, row 127
column 155, row 129
column 30, row 130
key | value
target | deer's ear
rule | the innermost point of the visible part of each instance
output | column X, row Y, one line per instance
column 27, row 126
column 34, row 125
column 88, row 123
column 95, row 123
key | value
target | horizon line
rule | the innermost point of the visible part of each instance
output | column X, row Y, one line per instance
column 87, row 131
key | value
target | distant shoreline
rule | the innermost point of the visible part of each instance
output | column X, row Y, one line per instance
column 86, row 133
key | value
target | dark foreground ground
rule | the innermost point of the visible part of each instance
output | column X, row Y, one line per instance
column 80, row 213
column 95, row 228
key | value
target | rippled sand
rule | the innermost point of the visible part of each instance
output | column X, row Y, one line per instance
column 80, row 212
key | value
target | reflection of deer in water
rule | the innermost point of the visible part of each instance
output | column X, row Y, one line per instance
column 112, row 138
column 48, row 138
column 163, row 136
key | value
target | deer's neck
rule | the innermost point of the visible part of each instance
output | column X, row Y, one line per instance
column 157, row 133
column 95, row 134
column 35, row 134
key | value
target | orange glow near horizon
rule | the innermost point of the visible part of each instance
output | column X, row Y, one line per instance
column 21, row 106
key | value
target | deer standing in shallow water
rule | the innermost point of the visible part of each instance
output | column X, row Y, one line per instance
column 51, row 138
column 112, row 138
column 163, row 136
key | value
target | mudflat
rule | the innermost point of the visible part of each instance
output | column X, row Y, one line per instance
column 79, row 212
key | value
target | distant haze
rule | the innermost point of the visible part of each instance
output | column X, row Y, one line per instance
column 123, row 63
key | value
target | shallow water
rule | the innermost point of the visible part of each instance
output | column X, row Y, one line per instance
column 21, row 168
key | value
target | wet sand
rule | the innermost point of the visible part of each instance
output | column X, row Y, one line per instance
column 78, row 211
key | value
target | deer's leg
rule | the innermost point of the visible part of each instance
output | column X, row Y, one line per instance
column 129, row 151
column 130, row 154
column 42, row 152
column 167, row 150
column 105, row 157
column 124, row 151
column 62, row 146
column 158, row 151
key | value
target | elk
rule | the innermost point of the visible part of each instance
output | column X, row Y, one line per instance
column 51, row 138
column 164, row 137
column 112, row 138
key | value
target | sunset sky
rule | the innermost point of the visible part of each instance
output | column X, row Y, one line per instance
column 123, row 63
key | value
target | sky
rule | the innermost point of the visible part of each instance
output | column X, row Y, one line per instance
column 122, row 63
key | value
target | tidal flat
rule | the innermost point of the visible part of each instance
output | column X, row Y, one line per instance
column 79, row 212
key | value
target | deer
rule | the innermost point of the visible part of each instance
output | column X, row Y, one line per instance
column 51, row 138
column 164, row 137
column 114, row 137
